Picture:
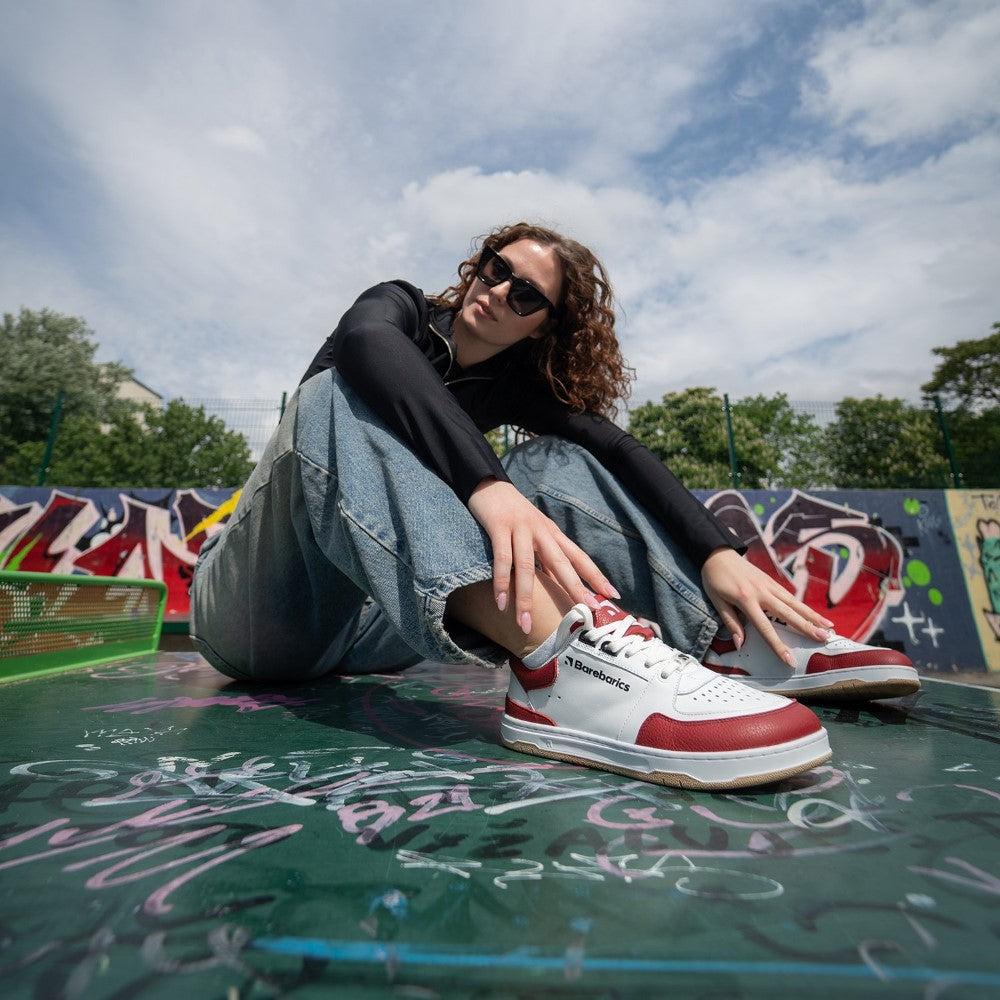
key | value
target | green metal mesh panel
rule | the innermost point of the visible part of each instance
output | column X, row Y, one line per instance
column 50, row 622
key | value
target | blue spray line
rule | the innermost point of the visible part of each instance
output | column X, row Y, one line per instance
column 401, row 954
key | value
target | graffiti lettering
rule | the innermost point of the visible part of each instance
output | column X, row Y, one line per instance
column 989, row 559
column 62, row 838
column 831, row 557
column 242, row 703
column 47, row 537
column 834, row 556
column 136, row 538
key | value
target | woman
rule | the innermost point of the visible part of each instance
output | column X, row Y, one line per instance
column 380, row 529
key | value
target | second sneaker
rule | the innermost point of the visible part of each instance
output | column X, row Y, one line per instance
column 616, row 697
column 836, row 668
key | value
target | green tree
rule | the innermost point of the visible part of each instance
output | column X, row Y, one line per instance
column 502, row 439
column 83, row 454
column 687, row 431
column 975, row 442
column 885, row 444
column 797, row 452
column 775, row 446
column 42, row 354
column 968, row 380
column 102, row 440
column 177, row 446
column 187, row 447
column 969, row 374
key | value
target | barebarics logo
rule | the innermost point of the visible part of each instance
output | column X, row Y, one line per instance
column 598, row 673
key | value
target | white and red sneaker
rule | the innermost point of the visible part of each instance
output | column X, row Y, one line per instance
column 616, row 697
column 835, row 668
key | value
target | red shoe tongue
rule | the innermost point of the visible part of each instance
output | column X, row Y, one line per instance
column 606, row 613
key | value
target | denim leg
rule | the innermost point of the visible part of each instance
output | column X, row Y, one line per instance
column 655, row 578
column 376, row 647
column 337, row 511
column 262, row 597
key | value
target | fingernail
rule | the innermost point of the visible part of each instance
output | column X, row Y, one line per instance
column 593, row 601
column 526, row 622
column 613, row 593
column 502, row 600
column 788, row 658
column 738, row 640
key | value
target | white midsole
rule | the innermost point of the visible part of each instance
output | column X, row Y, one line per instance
column 827, row 678
column 718, row 766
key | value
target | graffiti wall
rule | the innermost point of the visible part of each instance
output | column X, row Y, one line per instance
column 975, row 520
column 915, row 570
column 144, row 534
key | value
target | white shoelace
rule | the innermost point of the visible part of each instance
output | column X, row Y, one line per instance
column 651, row 651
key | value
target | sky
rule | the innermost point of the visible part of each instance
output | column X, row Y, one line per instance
column 789, row 196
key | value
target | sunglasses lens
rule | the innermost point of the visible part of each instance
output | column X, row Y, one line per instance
column 524, row 299
column 493, row 269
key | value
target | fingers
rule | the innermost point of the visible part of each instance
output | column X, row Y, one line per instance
column 798, row 616
column 522, row 536
column 779, row 605
column 567, row 564
column 736, row 588
column 547, row 549
column 563, row 562
column 502, row 565
column 731, row 623
column 524, row 578
column 764, row 625
column 815, row 618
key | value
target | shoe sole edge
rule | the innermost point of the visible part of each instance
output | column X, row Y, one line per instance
column 710, row 771
column 845, row 688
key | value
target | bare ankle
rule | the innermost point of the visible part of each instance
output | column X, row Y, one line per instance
column 476, row 607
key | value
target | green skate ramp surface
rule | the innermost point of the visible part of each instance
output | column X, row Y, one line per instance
column 168, row 833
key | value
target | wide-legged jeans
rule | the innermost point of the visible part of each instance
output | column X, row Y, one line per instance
column 344, row 547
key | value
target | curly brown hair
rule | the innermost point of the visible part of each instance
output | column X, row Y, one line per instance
column 579, row 355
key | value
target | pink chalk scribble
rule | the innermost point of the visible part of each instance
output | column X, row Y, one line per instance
column 241, row 702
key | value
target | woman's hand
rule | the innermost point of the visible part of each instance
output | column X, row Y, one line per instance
column 523, row 537
column 736, row 586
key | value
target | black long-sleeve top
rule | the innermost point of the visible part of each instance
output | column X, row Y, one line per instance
column 397, row 352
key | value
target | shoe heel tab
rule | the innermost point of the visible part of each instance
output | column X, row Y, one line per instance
column 540, row 677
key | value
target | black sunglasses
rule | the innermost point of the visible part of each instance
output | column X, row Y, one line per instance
column 522, row 297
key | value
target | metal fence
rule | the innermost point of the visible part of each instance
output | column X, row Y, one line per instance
column 967, row 456
column 255, row 419
column 967, row 465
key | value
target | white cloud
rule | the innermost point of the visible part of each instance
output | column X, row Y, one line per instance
column 237, row 137
column 801, row 252
column 210, row 185
column 731, row 288
column 910, row 71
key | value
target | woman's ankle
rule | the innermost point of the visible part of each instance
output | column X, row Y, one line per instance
column 475, row 606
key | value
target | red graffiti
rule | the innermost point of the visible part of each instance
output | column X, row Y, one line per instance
column 61, row 538
column 142, row 547
column 12, row 520
column 831, row 557
column 47, row 544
